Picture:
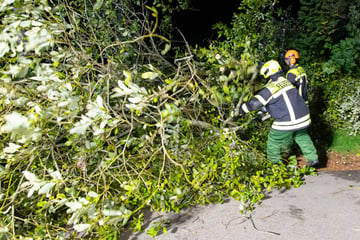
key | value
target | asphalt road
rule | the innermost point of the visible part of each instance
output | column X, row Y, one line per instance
column 327, row 207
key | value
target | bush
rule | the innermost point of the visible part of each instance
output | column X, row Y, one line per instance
column 349, row 110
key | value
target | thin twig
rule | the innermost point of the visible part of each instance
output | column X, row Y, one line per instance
column 254, row 226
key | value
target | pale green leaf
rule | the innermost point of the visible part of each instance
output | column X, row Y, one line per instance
column 4, row 48
column 122, row 88
column 17, row 70
column 37, row 39
column 5, row 3
column 73, row 206
column 32, row 180
column 93, row 194
column 32, row 190
column 98, row 4
column 223, row 78
column 166, row 49
column 25, row 24
column 99, row 101
column 81, row 127
column 92, row 212
column 94, row 111
column 98, row 131
column 112, row 213
column 63, row 104
column 4, row 229
column 149, row 75
column 74, row 218
column 46, row 188
column 127, row 75
column 15, row 121
column 31, row 177
column 81, row 227
column 36, row 23
column 56, row 175
column 103, row 123
column 136, row 99
column 12, row 148
column 83, row 201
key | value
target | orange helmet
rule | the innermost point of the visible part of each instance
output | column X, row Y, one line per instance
column 292, row 55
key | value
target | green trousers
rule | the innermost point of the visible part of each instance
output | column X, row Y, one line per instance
column 280, row 141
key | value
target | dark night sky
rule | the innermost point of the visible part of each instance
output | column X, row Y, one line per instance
column 196, row 24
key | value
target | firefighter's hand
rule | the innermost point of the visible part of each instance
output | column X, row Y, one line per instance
column 262, row 116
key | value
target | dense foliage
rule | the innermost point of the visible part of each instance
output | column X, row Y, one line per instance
column 327, row 35
column 98, row 124
column 101, row 117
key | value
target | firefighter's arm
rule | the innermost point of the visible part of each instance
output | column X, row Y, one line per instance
column 247, row 107
column 257, row 102
column 292, row 78
column 250, row 106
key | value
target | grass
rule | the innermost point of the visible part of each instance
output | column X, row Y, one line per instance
column 344, row 143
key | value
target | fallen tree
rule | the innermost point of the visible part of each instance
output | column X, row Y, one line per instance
column 98, row 124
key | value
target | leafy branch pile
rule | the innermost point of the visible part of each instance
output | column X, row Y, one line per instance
column 98, row 123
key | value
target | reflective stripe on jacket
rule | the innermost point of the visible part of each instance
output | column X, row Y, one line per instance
column 283, row 102
column 297, row 76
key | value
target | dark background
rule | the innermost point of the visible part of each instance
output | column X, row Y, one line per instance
column 196, row 23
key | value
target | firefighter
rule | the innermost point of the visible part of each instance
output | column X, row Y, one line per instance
column 292, row 119
column 296, row 74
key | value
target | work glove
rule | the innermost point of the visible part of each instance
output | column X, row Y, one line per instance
column 263, row 114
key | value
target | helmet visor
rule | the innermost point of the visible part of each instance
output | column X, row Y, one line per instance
column 287, row 61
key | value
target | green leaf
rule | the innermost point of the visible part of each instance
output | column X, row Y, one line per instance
column 4, row 48
column 15, row 121
column 127, row 75
column 81, row 127
column 7, row 2
column 93, row 194
column 98, row 4
column 112, row 213
column 149, row 75
column 46, row 188
column 166, row 49
column 38, row 39
column 56, row 175
column 73, row 206
column 32, row 178
column 226, row 89
column 12, row 148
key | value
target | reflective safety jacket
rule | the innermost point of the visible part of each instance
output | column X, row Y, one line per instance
column 297, row 76
column 283, row 102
